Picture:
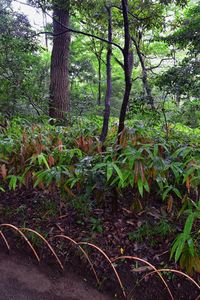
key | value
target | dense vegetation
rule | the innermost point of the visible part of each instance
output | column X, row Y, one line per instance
column 104, row 129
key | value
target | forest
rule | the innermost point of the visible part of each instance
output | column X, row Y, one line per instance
column 100, row 142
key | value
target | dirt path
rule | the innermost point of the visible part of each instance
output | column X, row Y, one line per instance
column 20, row 279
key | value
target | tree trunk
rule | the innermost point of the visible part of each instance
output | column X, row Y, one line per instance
column 109, row 79
column 59, row 82
column 146, row 86
column 99, row 82
column 127, row 67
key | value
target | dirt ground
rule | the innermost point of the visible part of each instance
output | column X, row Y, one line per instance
column 21, row 279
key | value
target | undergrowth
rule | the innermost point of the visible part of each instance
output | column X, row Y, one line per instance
column 72, row 162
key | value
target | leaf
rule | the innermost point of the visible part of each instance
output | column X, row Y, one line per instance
column 140, row 186
column 188, row 173
column 175, row 244
column 3, row 171
column 155, row 150
column 170, row 204
column 2, row 189
column 179, row 249
column 191, row 246
column 136, row 172
column 131, row 180
column 131, row 162
column 119, row 172
column 51, row 160
column 13, row 182
column 188, row 184
column 196, row 264
column 188, row 225
column 166, row 192
column 109, row 171
column 42, row 159
column 142, row 172
column 146, row 186
column 178, row 194
column 60, row 145
column 99, row 166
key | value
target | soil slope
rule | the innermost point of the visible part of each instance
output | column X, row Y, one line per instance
column 21, row 279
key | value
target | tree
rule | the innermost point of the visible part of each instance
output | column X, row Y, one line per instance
column 184, row 76
column 109, row 79
column 98, row 51
column 127, row 66
column 22, row 69
column 59, row 83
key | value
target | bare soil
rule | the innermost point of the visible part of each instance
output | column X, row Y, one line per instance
column 21, row 279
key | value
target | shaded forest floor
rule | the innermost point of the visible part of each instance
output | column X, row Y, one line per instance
column 22, row 279
column 117, row 230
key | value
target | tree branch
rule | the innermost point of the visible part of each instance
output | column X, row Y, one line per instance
column 155, row 67
column 85, row 33
column 132, row 15
column 138, row 77
column 119, row 62
column 73, row 30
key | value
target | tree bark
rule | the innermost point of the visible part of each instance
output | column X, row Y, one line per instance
column 146, row 86
column 127, row 66
column 59, row 82
column 109, row 79
column 99, row 82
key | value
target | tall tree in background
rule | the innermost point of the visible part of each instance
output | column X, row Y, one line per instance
column 98, row 52
column 109, row 79
column 127, row 66
column 22, row 67
column 59, row 83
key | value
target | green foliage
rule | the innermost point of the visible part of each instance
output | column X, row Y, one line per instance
column 189, row 32
column 152, row 233
column 70, row 161
column 23, row 66
column 82, row 205
column 185, row 246
column 51, row 157
column 96, row 225
column 182, row 80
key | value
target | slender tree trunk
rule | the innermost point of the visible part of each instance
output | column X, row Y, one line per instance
column 99, row 82
column 127, row 67
column 109, row 79
column 59, row 83
column 146, row 86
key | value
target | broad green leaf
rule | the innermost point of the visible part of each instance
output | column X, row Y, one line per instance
column 13, row 182
column 140, row 186
column 188, row 225
column 166, row 192
column 191, row 246
column 179, row 248
column 146, row 186
column 109, row 171
column 178, row 194
column 2, row 189
column 119, row 172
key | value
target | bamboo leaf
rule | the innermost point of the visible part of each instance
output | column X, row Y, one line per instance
column 166, row 192
column 119, row 172
column 188, row 225
column 140, row 187
column 109, row 171
column 190, row 243
column 178, row 194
